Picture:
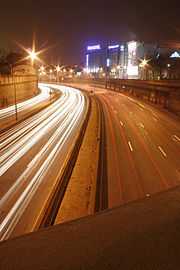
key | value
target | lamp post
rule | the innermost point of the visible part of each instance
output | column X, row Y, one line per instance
column 57, row 70
column 143, row 65
column 15, row 93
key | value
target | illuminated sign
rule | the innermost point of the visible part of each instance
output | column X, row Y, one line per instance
column 113, row 47
column 175, row 55
column 94, row 47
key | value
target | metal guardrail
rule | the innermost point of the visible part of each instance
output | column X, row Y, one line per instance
column 161, row 85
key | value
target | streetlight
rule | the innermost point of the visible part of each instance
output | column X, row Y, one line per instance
column 15, row 94
column 143, row 65
column 32, row 55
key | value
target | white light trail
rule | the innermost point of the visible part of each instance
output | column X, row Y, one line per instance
column 62, row 117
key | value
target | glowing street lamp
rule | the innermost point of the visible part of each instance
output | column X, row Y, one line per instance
column 32, row 56
column 144, row 62
column 58, row 68
column 143, row 65
column 42, row 68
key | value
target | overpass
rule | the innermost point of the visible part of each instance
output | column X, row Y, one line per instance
column 144, row 234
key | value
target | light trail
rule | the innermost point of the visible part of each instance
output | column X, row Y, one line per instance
column 62, row 117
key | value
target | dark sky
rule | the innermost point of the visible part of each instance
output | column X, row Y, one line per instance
column 71, row 25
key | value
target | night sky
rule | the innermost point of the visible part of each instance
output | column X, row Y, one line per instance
column 70, row 27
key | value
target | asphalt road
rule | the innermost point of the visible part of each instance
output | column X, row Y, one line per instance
column 32, row 156
column 143, row 147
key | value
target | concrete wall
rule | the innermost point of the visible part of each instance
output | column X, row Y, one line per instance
column 143, row 235
column 26, row 87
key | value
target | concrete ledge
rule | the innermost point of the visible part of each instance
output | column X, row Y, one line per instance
column 141, row 235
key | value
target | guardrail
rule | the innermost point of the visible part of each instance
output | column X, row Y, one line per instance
column 159, row 92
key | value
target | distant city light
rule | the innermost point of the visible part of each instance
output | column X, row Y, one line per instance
column 108, row 62
column 58, row 68
column 113, row 46
column 132, row 46
column 87, row 61
column 132, row 70
column 113, row 70
column 122, row 48
column 42, row 68
column 175, row 55
column 94, row 47
column 144, row 62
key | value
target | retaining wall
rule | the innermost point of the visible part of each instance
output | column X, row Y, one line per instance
column 25, row 86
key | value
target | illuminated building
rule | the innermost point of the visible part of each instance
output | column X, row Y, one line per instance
column 101, row 59
column 132, row 60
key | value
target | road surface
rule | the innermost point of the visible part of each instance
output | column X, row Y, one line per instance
column 32, row 157
column 143, row 147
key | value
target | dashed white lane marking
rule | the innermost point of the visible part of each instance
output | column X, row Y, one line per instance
column 176, row 138
column 155, row 119
column 141, row 106
column 121, row 123
column 141, row 125
column 130, row 146
column 162, row 151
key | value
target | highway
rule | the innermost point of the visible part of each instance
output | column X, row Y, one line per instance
column 25, row 105
column 143, row 147
column 32, row 157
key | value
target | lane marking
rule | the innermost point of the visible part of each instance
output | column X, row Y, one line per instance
column 130, row 146
column 176, row 138
column 155, row 119
column 140, row 104
column 162, row 151
column 141, row 125
column 121, row 123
